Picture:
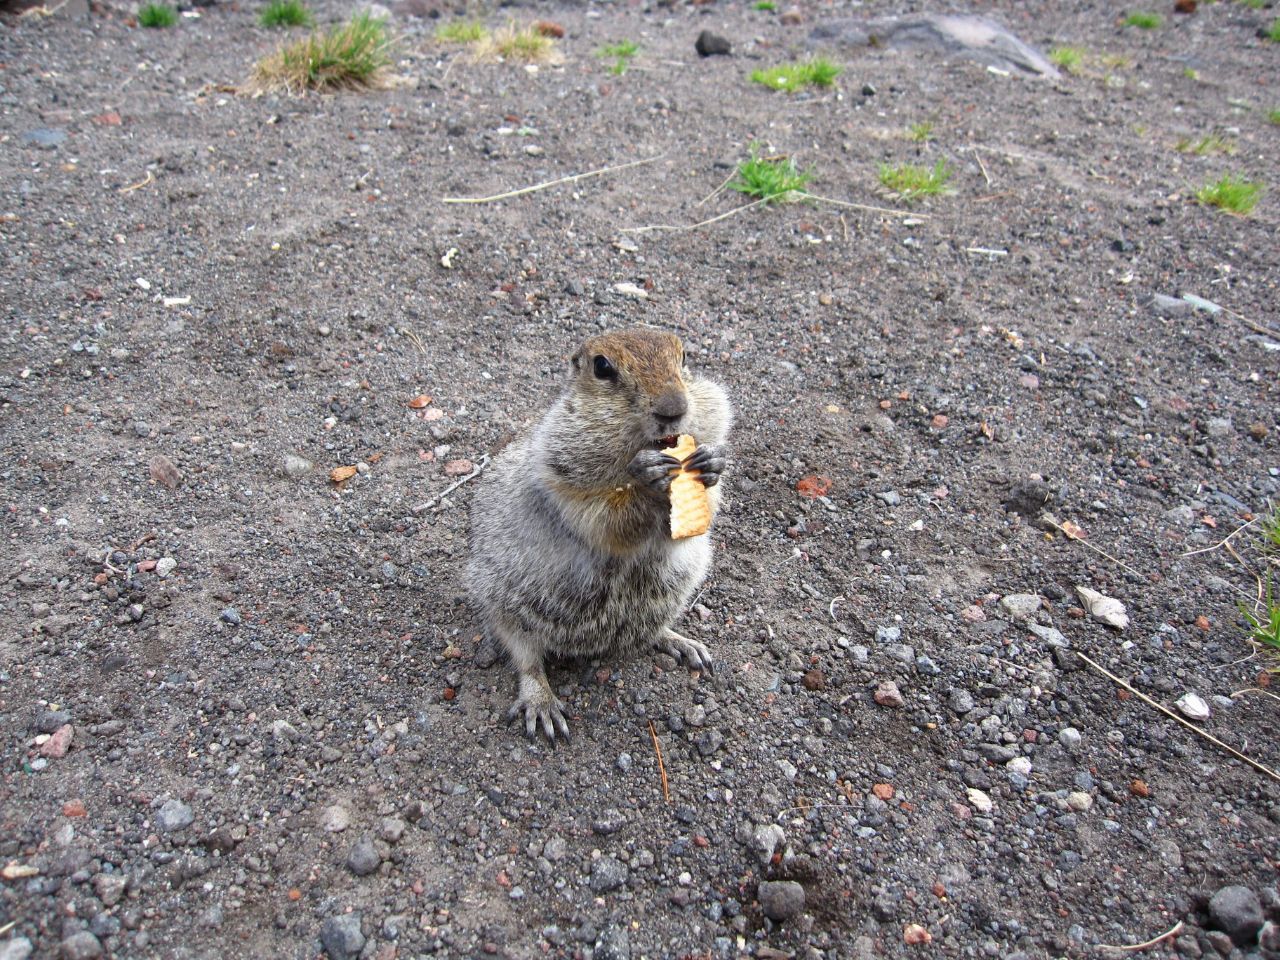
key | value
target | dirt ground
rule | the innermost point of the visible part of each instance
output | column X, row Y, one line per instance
column 280, row 742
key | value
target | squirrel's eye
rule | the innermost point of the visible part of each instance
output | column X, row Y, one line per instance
column 604, row 369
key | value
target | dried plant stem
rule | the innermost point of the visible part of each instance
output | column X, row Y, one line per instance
column 662, row 768
column 1083, row 542
column 552, row 183
column 701, row 223
column 1132, row 947
column 1223, row 541
column 1173, row 716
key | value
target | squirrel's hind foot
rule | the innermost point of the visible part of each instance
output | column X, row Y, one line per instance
column 693, row 652
column 540, row 708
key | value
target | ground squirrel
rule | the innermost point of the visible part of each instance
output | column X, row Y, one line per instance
column 571, row 551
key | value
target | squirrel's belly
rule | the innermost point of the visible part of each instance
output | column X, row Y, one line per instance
column 632, row 604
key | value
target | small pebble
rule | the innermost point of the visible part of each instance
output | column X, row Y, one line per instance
column 888, row 695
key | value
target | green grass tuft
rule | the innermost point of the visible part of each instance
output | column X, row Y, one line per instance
column 1144, row 20
column 772, row 179
column 1232, row 194
column 1206, row 146
column 1070, row 59
column 790, row 77
column 1273, row 116
column 1264, row 627
column 461, row 31
column 765, row 6
column 1272, row 32
column 621, row 53
column 355, row 54
column 285, row 13
column 910, row 182
column 517, row 44
column 156, row 16
column 921, row 132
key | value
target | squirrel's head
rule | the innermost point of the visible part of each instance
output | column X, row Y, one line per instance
column 635, row 378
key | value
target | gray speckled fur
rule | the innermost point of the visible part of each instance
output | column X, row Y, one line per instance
column 556, row 568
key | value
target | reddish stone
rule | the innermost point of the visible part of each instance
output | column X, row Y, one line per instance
column 58, row 744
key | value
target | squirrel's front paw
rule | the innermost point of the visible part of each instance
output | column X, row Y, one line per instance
column 651, row 470
column 709, row 460
column 541, row 709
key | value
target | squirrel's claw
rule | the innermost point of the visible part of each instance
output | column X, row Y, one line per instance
column 709, row 460
column 651, row 469
column 541, row 711
column 693, row 652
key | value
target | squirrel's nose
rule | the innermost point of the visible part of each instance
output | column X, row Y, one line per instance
column 670, row 407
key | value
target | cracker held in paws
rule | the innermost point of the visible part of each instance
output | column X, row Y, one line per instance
column 574, row 547
column 690, row 505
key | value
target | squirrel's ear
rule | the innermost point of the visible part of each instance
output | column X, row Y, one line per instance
column 576, row 361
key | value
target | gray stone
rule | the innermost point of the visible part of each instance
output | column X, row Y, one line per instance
column 711, row 44
column 341, row 936
column 294, row 467
column 950, row 35
column 335, row 818
column 47, row 138
column 610, row 821
column 391, row 829
column 110, row 887
column 48, row 721
column 81, row 946
column 900, row 652
column 1237, row 912
column 890, row 498
column 1219, row 427
column 19, row 948
column 1167, row 306
column 709, row 741
column 780, row 899
column 960, row 700
column 363, row 858
column 1049, row 635
column 766, row 839
column 607, row 873
column 174, row 815
column 231, row 615
column 1069, row 737
column 1269, row 937
column 1020, row 606
column 888, row 634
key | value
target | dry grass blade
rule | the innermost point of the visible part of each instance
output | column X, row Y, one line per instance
column 662, row 767
column 551, row 183
column 1173, row 716
column 353, row 55
column 1133, row 947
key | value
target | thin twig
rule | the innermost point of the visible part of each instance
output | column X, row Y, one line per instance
column 1265, row 693
column 434, row 501
column 981, row 166
column 7, row 927
column 662, row 768
column 1255, row 327
column 1223, row 541
column 845, row 228
column 866, row 207
column 1097, row 550
column 1133, row 947
column 700, row 223
column 445, row 76
column 140, row 184
column 551, row 183
column 713, row 193
column 1186, row 723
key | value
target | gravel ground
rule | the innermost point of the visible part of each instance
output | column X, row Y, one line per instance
column 241, row 713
